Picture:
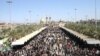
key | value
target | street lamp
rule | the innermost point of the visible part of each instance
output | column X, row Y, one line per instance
column 10, row 15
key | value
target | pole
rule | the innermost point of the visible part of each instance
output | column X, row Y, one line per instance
column 30, row 15
column 10, row 15
column 75, row 14
column 49, row 19
column 46, row 20
column 95, row 15
column 86, row 17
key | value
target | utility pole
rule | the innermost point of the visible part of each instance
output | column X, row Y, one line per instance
column 86, row 17
column 10, row 12
column 30, row 15
column 75, row 14
column 95, row 15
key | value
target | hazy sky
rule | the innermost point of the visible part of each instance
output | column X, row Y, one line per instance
column 57, row 9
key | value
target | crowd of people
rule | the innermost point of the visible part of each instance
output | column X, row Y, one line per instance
column 73, row 49
column 52, row 42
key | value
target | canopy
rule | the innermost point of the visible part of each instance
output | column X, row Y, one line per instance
column 24, row 39
column 84, row 37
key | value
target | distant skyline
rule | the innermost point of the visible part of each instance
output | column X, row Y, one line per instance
column 23, row 10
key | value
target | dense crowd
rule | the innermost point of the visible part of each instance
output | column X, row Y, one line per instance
column 52, row 42
column 72, row 49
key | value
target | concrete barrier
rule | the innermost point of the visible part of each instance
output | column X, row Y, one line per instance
column 83, row 37
column 26, row 38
